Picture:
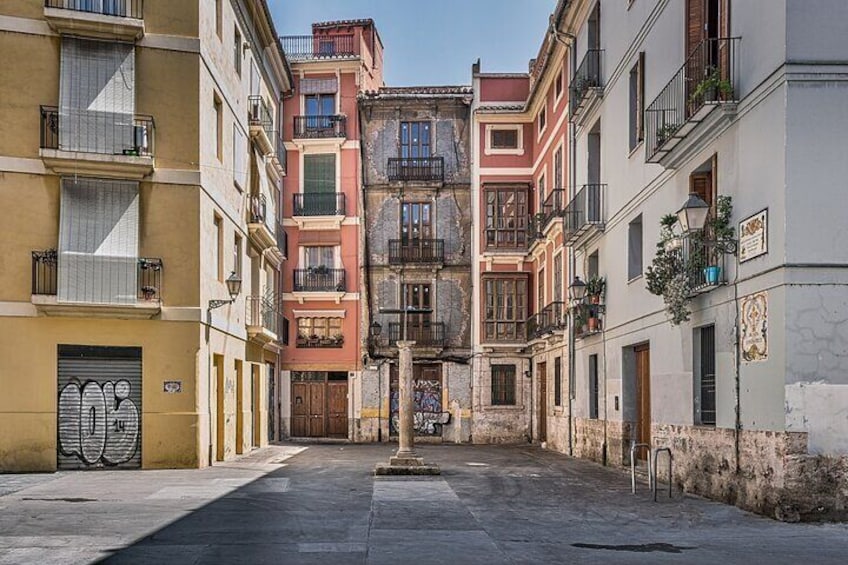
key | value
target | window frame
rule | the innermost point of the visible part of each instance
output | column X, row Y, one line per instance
column 503, row 385
column 423, row 126
column 514, row 299
column 631, row 267
column 490, row 148
column 494, row 215
column 594, row 387
column 636, row 102
column 237, row 50
column 558, row 381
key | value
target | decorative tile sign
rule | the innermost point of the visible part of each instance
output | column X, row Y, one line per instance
column 754, row 327
column 753, row 236
column 173, row 387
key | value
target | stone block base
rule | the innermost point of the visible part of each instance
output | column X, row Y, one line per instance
column 421, row 469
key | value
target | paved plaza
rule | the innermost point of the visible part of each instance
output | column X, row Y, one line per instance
column 322, row 504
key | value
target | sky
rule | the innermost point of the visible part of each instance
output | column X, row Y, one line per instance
column 434, row 42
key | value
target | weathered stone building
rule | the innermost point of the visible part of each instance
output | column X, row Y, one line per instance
column 416, row 218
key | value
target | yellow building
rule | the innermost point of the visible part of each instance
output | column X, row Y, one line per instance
column 138, row 174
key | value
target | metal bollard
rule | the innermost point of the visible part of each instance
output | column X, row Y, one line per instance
column 633, row 465
column 655, row 453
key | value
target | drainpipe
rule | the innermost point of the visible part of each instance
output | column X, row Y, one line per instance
column 737, row 428
column 572, row 264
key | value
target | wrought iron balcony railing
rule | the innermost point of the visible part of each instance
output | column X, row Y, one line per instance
column 258, row 208
column 315, row 341
column 305, row 47
column 416, row 251
column 259, row 114
column 424, row 334
column 553, row 317
column 584, row 212
column 120, row 8
column 706, row 79
column 587, row 77
column 553, row 206
column 320, row 127
column 282, row 239
column 280, row 152
column 416, row 169
column 45, row 271
column 319, row 279
column 261, row 311
column 319, row 204
column 124, row 135
column 704, row 261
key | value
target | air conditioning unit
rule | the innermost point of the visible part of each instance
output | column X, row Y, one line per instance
column 140, row 139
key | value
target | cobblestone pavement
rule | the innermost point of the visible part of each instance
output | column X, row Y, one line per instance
column 322, row 504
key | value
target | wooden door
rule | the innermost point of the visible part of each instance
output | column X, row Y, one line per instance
column 542, row 372
column 300, row 410
column 419, row 296
column 317, row 404
column 337, row 409
column 643, row 396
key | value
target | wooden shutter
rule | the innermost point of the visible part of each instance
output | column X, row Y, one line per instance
column 702, row 185
column 319, row 173
column 240, row 163
column 696, row 21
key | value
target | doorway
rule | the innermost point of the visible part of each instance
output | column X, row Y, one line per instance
column 542, row 373
column 643, row 396
column 427, row 384
column 319, row 404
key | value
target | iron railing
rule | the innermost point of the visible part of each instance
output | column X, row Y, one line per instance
column 315, row 341
column 120, row 8
column 553, row 317
column 416, row 251
column 258, row 208
column 586, row 77
column 707, row 77
column 280, row 153
column 319, row 279
column 304, row 47
column 552, row 207
column 424, row 334
column 704, row 262
column 45, row 271
column 588, row 319
column 319, row 204
column 282, row 239
column 139, row 129
column 259, row 114
column 320, row 127
column 585, row 211
column 261, row 311
column 416, row 169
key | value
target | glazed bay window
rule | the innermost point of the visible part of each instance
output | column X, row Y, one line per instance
column 505, row 308
column 319, row 332
column 506, row 217
column 503, row 385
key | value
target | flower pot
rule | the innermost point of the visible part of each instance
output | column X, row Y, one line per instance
column 711, row 274
column 595, row 299
column 593, row 324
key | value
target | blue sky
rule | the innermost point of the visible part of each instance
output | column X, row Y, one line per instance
column 434, row 42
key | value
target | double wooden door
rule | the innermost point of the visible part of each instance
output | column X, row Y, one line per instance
column 319, row 405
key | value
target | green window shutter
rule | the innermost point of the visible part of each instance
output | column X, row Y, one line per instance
column 319, row 174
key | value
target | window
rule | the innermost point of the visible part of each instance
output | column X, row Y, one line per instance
column 556, row 294
column 237, row 255
column 320, row 104
column 558, row 86
column 637, row 102
column 318, row 256
column 542, row 190
column 540, row 291
column 319, row 173
column 593, row 266
column 506, row 217
column 218, row 18
column 503, row 385
column 217, row 260
column 218, row 124
column 593, row 386
column 705, row 378
column 319, row 332
column 415, row 221
column 504, row 139
column 558, row 168
column 414, row 140
column 542, row 119
column 634, row 248
column 557, row 381
column 240, row 164
column 506, row 308
column 237, row 51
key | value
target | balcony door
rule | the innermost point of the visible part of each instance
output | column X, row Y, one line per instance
column 320, row 110
column 414, row 140
column 319, row 185
column 418, row 295
column 416, row 230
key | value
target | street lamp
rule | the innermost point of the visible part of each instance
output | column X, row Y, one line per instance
column 233, row 287
column 577, row 290
column 693, row 215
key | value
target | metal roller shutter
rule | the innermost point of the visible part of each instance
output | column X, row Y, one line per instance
column 99, row 408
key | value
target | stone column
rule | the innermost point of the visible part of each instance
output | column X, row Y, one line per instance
column 406, row 401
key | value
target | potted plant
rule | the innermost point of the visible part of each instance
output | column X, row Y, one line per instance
column 722, row 233
column 581, row 319
column 594, row 322
column 709, row 89
column 595, row 289
column 313, row 340
column 667, row 276
column 665, row 132
column 338, row 340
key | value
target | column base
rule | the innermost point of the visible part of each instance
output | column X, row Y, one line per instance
column 418, row 468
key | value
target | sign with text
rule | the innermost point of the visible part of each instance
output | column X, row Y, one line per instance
column 753, row 236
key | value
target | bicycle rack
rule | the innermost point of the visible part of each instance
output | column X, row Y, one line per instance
column 655, row 452
column 633, row 466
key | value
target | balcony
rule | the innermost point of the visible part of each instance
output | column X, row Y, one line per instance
column 258, row 229
column 550, row 209
column 424, row 334
column 319, row 210
column 588, row 319
column 121, row 150
column 586, row 88
column 318, row 47
column 553, row 317
column 704, row 262
column 102, row 19
column 696, row 99
column 146, row 301
column 320, row 127
column 262, row 319
column 315, row 341
column 506, row 331
column 280, row 250
column 416, row 251
column 421, row 169
column 585, row 213
column 260, row 119
column 320, row 283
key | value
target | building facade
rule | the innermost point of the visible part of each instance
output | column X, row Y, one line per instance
column 321, row 282
column 416, row 218
column 144, row 143
column 723, row 344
